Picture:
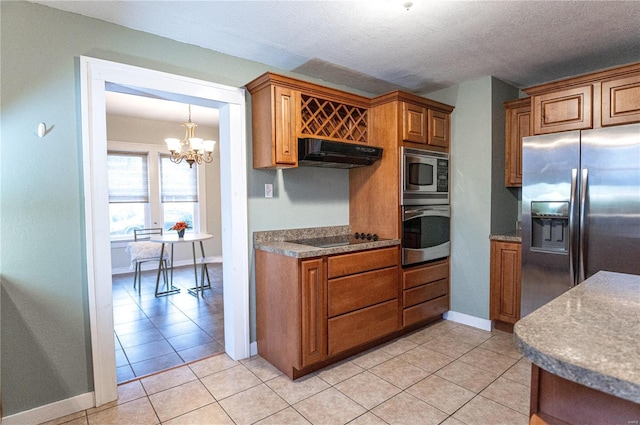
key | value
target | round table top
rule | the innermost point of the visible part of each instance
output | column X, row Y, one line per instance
column 188, row 237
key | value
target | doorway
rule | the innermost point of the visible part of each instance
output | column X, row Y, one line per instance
column 95, row 75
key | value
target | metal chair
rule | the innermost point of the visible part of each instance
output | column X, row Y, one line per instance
column 143, row 251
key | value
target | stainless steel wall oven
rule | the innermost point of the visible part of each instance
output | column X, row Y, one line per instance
column 425, row 233
column 426, row 214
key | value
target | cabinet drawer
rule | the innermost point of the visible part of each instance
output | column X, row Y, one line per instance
column 362, row 290
column 563, row 110
column 352, row 329
column 621, row 101
column 426, row 292
column 421, row 275
column 358, row 262
column 425, row 310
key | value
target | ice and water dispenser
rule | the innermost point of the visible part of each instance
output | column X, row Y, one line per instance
column 550, row 226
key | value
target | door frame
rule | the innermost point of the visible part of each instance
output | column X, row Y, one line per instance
column 95, row 74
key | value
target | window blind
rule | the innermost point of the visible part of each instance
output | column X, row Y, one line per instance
column 128, row 178
column 178, row 182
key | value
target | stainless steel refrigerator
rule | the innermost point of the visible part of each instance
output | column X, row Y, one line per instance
column 580, row 209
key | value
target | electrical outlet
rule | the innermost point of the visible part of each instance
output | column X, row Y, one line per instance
column 268, row 190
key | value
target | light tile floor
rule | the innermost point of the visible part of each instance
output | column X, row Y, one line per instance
column 445, row 373
column 154, row 334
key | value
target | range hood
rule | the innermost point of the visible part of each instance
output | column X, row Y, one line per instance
column 325, row 153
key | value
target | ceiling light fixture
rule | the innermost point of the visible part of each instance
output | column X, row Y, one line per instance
column 191, row 149
column 407, row 4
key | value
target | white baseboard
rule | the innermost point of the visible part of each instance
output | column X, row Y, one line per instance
column 468, row 320
column 253, row 348
column 51, row 411
column 154, row 266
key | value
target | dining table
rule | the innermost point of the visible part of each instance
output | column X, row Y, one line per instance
column 172, row 240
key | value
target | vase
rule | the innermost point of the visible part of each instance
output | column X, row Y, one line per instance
column 181, row 233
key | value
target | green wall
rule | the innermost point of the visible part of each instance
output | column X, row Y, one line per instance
column 480, row 205
column 45, row 345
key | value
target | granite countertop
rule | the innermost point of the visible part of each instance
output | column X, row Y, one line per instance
column 276, row 241
column 515, row 236
column 589, row 335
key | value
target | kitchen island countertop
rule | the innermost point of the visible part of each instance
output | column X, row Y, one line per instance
column 279, row 242
column 589, row 335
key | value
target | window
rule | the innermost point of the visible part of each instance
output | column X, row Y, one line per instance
column 178, row 192
column 147, row 190
column 128, row 192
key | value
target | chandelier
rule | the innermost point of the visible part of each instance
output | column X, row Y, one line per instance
column 191, row 149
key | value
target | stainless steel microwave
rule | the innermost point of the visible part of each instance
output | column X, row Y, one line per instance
column 425, row 177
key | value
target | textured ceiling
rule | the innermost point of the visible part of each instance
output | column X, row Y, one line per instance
column 378, row 46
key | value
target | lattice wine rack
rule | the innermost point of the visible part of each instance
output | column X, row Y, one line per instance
column 325, row 118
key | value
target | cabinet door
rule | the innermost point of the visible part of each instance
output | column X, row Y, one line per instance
column 505, row 281
column 414, row 123
column 621, row 101
column 563, row 110
column 438, row 128
column 285, row 137
column 313, row 297
column 518, row 120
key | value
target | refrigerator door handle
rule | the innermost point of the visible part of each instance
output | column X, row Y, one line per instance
column 583, row 200
column 572, row 233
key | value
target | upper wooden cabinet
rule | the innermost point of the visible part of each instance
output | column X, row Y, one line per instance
column 414, row 123
column 284, row 109
column 425, row 125
column 518, row 122
column 563, row 110
column 438, row 127
column 621, row 100
column 600, row 99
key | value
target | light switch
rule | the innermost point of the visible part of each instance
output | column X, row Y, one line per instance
column 268, row 190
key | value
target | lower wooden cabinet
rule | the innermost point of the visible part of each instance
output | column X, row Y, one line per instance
column 556, row 400
column 506, row 260
column 310, row 310
column 425, row 292
column 313, row 312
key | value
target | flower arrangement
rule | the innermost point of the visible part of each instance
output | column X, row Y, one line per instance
column 180, row 225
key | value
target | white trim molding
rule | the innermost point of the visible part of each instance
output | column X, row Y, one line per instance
column 467, row 319
column 96, row 76
column 51, row 411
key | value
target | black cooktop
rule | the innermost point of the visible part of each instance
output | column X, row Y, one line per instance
column 340, row 240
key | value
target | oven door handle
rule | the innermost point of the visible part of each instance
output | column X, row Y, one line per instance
column 424, row 212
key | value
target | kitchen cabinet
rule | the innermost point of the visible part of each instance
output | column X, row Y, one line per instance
column 506, row 259
column 374, row 192
column 621, row 100
column 285, row 109
column 424, row 125
column 363, row 297
column 599, row 99
column 425, row 292
column 313, row 312
column 563, row 110
column 518, row 121
column 414, row 123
